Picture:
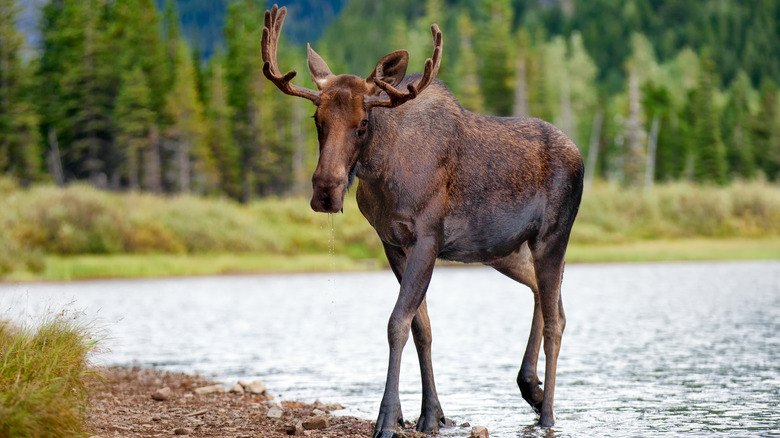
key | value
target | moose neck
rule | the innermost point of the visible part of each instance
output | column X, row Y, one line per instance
column 410, row 136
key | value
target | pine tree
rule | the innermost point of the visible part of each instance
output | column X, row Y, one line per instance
column 765, row 129
column 244, row 76
column 194, row 165
column 19, row 136
column 737, row 114
column 494, row 54
column 468, row 91
column 170, row 37
column 77, row 90
column 709, row 154
column 220, row 138
column 137, row 46
column 134, row 122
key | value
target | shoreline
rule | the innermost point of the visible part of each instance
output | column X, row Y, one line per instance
column 145, row 402
column 141, row 266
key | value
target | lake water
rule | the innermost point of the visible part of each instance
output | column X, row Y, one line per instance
column 649, row 349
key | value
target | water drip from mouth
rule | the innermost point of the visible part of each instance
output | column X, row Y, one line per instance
column 332, row 255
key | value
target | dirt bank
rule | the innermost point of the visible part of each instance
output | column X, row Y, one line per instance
column 122, row 406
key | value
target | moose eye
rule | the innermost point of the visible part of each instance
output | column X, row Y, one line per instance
column 362, row 129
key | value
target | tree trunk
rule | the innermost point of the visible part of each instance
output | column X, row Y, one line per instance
column 593, row 149
column 183, row 158
column 299, row 150
column 652, row 143
column 521, row 89
column 633, row 160
column 53, row 158
column 152, row 167
column 567, row 118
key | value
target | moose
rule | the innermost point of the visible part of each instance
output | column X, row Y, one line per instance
column 437, row 181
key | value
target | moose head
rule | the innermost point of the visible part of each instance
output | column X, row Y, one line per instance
column 344, row 103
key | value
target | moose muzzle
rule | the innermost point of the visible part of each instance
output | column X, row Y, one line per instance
column 328, row 193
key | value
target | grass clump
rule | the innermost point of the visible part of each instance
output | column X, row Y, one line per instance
column 42, row 379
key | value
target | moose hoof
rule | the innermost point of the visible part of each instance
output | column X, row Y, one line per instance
column 430, row 424
column 546, row 421
column 531, row 390
column 387, row 425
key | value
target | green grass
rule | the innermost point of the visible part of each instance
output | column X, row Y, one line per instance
column 80, row 267
column 42, row 379
column 676, row 250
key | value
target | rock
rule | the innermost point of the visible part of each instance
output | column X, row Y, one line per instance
column 317, row 413
column 466, row 424
column 274, row 412
column 182, row 431
column 237, row 389
column 256, row 387
column 162, row 394
column 295, row 429
column 210, row 389
column 316, row 423
column 479, row 432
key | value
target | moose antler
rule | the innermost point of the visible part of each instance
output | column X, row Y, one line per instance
column 398, row 97
column 271, row 31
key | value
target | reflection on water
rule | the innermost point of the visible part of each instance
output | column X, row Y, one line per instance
column 649, row 349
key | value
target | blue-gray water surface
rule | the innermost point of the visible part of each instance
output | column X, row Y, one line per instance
column 652, row 349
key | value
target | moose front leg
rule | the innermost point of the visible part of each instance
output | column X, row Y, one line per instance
column 414, row 283
column 431, row 414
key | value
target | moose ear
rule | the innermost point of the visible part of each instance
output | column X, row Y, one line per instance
column 391, row 68
column 320, row 73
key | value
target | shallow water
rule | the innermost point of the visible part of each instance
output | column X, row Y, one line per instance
column 649, row 349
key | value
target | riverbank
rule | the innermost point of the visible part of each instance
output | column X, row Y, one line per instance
column 122, row 404
column 85, row 267
column 79, row 232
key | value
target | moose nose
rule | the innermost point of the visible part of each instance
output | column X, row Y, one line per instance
column 328, row 194
column 325, row 182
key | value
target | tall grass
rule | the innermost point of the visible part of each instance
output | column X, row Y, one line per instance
column 42, row 379
column 82, row 220
column 612, row 214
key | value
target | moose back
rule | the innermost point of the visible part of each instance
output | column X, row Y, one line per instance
column 437, row 181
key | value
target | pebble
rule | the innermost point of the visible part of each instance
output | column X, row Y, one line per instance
column 210, row 389
column 274, row 413
column 237, row 389
column 479, row 432
column 316, row 423
column 182, row 431
column 162, row 394
column 295, row 429
column 256, row 387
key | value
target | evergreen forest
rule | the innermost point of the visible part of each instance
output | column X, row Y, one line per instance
column 169, row 97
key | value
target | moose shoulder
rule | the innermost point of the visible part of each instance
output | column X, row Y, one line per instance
column 437, row 181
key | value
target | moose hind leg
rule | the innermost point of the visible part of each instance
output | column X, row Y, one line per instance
column 431, row 414
column 519, row 266
column 548, row 263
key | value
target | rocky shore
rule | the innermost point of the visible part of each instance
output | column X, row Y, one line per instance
column 140, row 402
column 133, row 402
